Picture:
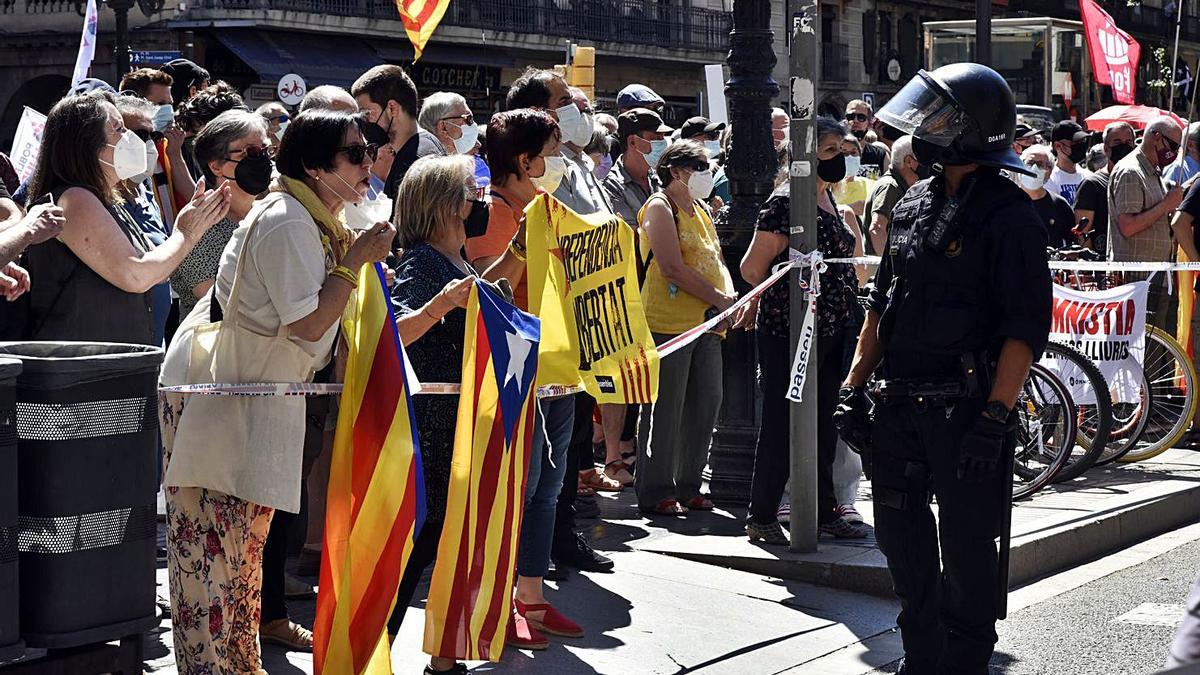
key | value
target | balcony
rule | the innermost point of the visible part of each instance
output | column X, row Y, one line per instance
column 644, row 22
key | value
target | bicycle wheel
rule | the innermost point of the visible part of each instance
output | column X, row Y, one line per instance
column 1171, row 379
column 1045, row 434
column 1089, row 391
column 1129, row 421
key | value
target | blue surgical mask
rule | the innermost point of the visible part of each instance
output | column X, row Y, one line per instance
column 657, row 148
column 163, row 116
column 713, row 148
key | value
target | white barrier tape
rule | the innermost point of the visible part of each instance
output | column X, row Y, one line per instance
column 1077, row 265
column 315, row 389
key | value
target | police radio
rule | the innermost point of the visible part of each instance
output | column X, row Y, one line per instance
column 945, row 229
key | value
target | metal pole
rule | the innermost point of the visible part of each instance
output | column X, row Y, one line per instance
column 121, row 51
column 1192, row 105
column 804, row 68
column 1175, row 56
column 983, row 32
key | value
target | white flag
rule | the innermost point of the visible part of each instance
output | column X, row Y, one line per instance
column 27, row 144
column 87, row 44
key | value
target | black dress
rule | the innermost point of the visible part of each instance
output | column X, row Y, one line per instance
column 436, row 356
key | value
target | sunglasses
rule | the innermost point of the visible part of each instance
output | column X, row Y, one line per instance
column 465, row 118
column 856, row 117
column 280, row 119
column 1170, row 142
column 251, row 151
column 475, row 194
column 355, row 153
column 148, row 135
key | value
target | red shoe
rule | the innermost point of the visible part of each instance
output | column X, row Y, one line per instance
column 524, row 636
column 552, row 621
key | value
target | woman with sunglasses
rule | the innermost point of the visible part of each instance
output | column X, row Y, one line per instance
column 686, row 283
column 230, row 149
column 295, row 265
column 92, row 282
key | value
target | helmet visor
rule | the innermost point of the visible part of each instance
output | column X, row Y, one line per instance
column 923, row 110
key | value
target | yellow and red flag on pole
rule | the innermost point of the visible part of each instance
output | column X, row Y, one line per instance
column 421, row 18
column 376, row 499
column 470, row 595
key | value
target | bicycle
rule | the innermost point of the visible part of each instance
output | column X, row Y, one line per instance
column 1094, row 417
column 1046, row 431
column 1170, row 381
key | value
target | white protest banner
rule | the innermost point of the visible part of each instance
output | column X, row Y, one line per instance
column 1109, row 327
column 27, row 144
column 714, row 77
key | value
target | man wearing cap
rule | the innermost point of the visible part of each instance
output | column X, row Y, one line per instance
column 859, row 118
column 1025, row 137
column 187, row 79
column 631, row 181
column 1139, row 212
column 1070, row 143
column 639, row 96
column 1188, row 164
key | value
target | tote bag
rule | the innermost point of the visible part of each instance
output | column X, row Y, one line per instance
column 250, row 447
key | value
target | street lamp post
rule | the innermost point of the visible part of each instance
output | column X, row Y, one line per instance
column 750, row 168
column 121, row 52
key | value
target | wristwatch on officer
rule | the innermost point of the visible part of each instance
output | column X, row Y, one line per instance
column 995, row 410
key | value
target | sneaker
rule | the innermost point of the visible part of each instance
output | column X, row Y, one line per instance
column 289, row 635
column 556, row 572
column 850, row 513
column 784, row 514
column 294, row 589
column 456, row 669
column 844, row 529
column 772, row 534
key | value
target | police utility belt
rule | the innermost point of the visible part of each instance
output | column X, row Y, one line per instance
column 924, row 392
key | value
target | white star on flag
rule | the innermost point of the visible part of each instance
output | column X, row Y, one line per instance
column 518, row 352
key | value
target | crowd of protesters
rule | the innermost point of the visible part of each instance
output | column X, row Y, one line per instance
column 166, row 204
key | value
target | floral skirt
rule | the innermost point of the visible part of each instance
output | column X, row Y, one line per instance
column 214, row 563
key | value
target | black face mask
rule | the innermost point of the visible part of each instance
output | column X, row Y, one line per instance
column 375, row 134
column 923, row 171
column 1078, row 153
column 927, row 153
column 859, row 133
column 253, row 174
column 832, row 170
column 476, row 222
column 1120, row 151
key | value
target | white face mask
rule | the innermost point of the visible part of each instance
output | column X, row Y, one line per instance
column 364, row 215
column 700, row 184
column 570, row 121
column 129, row 156
column 151, row 163
column 583, row 131
column 556, row 168
column 1032, row 182
column 853, row 165
column 467, row 139
column 282, row 128
column 163, row 117
column 713, row 148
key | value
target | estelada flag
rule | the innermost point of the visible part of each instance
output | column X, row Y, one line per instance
column 421, row 18
column 376, row 500
column 582, row 280
column 470, row 595
column 1115, row 53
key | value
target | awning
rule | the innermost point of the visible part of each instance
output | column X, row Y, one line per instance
column 273, row 55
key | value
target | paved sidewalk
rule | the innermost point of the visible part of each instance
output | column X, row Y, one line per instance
column 693, row 595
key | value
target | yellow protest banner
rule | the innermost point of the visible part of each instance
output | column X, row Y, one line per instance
column 582, row 281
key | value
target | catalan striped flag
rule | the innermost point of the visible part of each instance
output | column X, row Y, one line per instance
column 470, row 595
column 421, row 18
column 376, row 499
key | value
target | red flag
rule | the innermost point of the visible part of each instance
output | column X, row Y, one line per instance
column 1114, row 52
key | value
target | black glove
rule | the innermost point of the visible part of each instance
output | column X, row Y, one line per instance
column 852, row 418
column 979, row 455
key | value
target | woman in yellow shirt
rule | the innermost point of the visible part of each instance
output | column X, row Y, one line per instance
column 686, row 282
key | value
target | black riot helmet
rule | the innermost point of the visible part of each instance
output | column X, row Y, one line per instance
column 962, row 113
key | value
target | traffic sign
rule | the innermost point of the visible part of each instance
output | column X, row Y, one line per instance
column 291, row 89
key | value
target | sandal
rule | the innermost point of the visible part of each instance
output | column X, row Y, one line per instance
column 552, row 621
column 598, row 481
column 289, row 635
column 618, row 470
column 584, row 491
column 667, row 507
column 700, row 503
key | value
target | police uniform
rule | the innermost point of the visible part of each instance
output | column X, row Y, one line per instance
column 945, row 314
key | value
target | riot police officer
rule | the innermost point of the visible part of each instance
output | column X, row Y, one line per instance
column 959, row 310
